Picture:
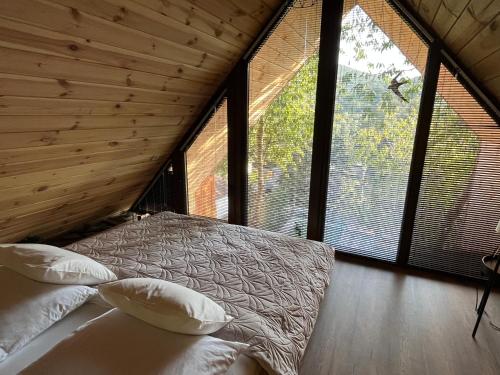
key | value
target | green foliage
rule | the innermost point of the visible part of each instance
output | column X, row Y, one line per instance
column 372, row 145
column 288, row 121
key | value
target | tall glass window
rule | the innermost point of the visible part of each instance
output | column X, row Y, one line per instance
column 379, row 84
column 459, row 201
column 283, row 77
column 207, row 168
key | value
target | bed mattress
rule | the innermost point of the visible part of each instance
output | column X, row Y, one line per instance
column 272, row 284
column 48, row 339
column 59, row 331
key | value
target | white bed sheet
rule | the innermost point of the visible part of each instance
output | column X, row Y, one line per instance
column 45, row 341
column 48, row 339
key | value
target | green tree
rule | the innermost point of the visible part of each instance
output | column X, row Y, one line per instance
column 283, row 134
column 372, row 144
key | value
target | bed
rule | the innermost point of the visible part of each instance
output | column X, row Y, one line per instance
column 48, row 339
column 62, row 329
column 272, row 284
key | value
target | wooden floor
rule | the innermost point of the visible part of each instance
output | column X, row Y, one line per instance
column 375, row 321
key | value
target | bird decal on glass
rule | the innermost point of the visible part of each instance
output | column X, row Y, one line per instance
column 394, row 87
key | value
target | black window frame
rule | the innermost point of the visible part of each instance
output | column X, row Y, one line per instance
column 236, row 89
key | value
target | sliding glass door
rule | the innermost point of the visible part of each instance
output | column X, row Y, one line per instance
column 379, row 83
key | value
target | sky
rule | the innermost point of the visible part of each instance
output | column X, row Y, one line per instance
column 392, row 55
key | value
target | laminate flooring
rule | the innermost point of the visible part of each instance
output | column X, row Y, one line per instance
column 375, row 321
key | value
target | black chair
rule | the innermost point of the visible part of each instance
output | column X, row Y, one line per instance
column 490, row 266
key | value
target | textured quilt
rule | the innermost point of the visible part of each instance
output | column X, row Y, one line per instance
column 272, row 284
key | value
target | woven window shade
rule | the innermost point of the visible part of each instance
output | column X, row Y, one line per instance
column 207, row 168
column 459, row 201
column 283, row 77
column 373, row 130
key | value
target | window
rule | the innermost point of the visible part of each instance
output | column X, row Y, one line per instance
column 459, row 201
column 379, row 84
column 381, row 65
column 156, row 199
column 207, row 168
column 283, row 77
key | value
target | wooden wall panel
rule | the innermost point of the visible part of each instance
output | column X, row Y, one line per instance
column 471, row 31
column 94, row 95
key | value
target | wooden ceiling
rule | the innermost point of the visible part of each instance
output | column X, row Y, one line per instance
column 471, row 31
column 94, row 94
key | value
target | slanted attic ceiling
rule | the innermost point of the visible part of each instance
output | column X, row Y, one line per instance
column 470, row 29
column 95, row 94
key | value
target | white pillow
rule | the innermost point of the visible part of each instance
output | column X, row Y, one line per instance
column 52, row 264
column 166, row 305
column 27, row 308
column 116, row 343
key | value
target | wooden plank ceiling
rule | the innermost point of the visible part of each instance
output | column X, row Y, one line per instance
column 94, row 94
column 471, row 31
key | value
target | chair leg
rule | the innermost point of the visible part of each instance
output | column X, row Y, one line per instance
column 481, row 308
column 486, row 294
